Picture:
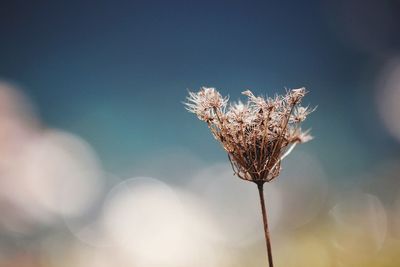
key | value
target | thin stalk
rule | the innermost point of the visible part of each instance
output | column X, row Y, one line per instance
column 265, row 222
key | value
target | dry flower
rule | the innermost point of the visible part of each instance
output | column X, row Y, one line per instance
column 257, row 134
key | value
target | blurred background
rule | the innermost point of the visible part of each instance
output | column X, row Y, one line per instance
column 100, row 165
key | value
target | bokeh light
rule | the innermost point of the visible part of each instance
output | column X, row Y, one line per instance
column 100, row 164
column 234, row 204
column 147, row 220
column 304, row 189
column 360, row 227
column 58, row 166
column 388, row 96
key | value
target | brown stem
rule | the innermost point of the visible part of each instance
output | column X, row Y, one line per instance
column 265, row 221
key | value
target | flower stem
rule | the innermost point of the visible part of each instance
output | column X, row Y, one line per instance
column 265, row 221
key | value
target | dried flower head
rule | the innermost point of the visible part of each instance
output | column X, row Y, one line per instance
column 257, row 134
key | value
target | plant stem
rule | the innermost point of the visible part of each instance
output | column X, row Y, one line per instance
column 265, row 221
